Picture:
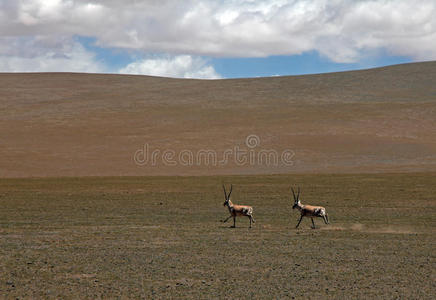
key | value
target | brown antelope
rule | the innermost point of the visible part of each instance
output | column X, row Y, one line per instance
column 308, row 210
column 237, row 210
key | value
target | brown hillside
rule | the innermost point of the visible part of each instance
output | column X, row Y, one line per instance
column 61, row 124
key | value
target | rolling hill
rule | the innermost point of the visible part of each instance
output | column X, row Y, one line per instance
column 68, row 124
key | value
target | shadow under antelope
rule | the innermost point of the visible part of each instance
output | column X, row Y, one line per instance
column 309, row 211
column 236, row 210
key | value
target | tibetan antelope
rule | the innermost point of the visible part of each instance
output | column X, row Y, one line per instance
column 308, row 210
column 236, row 210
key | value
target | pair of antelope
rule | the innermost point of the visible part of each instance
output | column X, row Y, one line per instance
column 247, row 211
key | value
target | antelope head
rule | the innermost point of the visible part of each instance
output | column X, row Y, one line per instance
column 227, row 196
column 296, row 198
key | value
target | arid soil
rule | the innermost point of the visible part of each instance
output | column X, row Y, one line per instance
column 161, row 238
column 60, row 124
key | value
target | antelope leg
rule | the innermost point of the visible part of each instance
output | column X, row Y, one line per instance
column 226, row 219
column 301, row 218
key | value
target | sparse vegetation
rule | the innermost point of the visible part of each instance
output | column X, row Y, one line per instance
column 139, row 237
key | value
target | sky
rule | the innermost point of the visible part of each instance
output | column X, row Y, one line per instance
column 214, row 39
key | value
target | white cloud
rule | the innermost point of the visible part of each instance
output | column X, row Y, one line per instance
column 181, row 66
column 42, row 54
column 342, row 30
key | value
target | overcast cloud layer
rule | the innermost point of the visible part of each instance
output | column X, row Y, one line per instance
column 38, row 35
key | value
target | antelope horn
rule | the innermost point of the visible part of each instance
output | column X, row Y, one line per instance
column 231, row 188
column 293, row 193
column 225, row 193
column 298, row 196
